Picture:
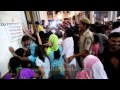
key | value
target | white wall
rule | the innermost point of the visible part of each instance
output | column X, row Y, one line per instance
column 43, row 16
column 5, row 55
column 23, row 19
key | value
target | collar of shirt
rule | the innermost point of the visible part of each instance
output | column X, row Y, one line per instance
column 86, row 32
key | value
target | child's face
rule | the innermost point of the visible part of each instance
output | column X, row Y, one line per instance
column 115, row 62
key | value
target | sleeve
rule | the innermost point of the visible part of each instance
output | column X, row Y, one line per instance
column 87, row 43
column 64, row 48
column 98, row 71
column 105, row 37
column 38, row 62
column 31, row 58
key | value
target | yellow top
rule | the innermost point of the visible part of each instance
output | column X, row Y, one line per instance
column 40, row 28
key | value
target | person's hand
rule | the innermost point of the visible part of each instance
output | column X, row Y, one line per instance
column 37, row 33
column 70, row 59
column 11, row 49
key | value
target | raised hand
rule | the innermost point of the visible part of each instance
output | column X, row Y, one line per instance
column 11, row 49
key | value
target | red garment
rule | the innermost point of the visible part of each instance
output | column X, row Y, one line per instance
column 95, row 49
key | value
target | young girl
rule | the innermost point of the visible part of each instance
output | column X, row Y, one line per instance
column 21, row 52
column 54, row 52
column 95, row 46
column 17, row 72
column 42, row 62
column 14, row 66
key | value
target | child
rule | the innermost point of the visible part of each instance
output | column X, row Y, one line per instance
column 16, row 72
column 54, row 52
column 42, row 62
column 14, row 65
column 21, row 52
column 95, row 46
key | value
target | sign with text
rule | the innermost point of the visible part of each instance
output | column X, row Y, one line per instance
column 14, row 31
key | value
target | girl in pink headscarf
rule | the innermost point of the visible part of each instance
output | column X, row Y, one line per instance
column 93, row 69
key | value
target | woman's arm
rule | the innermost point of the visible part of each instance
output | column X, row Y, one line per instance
column 40, row 68
column 39, row 39
column 14, row 54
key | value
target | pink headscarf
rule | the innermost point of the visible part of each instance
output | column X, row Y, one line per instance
column 89, row 61
column 93, row 69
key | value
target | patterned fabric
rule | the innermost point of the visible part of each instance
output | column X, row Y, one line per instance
column 82, row 75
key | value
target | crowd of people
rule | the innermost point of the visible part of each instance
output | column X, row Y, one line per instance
column 80, row 51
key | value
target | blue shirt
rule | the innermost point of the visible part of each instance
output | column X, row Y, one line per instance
column 57, row 63
column 32, row 47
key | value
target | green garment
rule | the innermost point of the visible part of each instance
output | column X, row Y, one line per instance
column 54, row 40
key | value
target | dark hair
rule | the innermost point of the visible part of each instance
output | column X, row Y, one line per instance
column 59, row 34
column 46, row 36
column 98, row 29
column 96, row 39
column 69, row 32
column 13, row 64
column 25, row 38
column 97, row 23
column 41, row 34
column 57, row 54
column 114, row 34
column 76, row 26
column 20, row 52
column 76, row 30
column 92, row 27
column 43, row 20
column 116, row 24
column 39, row 51
column 36, row 22
column 87, row 25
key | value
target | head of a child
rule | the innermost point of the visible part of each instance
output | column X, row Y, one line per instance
column 96, row 39
column 14, row 64
column 21, row 52
column 25, row 41
column 115, row 59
